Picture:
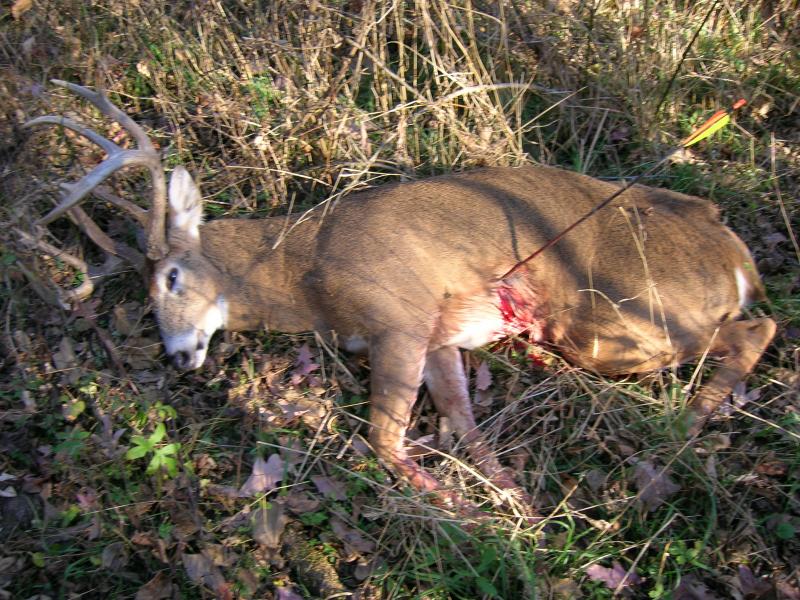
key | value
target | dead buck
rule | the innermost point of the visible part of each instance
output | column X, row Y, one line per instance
column 411, row 273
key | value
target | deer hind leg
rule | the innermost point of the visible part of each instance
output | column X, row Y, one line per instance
column 740, row 345
column 447, row 384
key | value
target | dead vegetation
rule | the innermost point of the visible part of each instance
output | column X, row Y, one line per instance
column 251, row 478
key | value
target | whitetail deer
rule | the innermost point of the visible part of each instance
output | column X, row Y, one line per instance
column 412, row 273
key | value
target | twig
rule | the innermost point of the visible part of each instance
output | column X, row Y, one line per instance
column 777, row 189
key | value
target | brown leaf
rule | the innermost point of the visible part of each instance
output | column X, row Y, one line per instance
column 286, row 593
column 773, row 239
column 235, row 521
column 220, row 555
column 354, row 542
column 300, row 503
column 127, row 318
column 141, row 538
column 304, row 365
column 268, row 525
column 613, row 577
column 565, row 589
column 752, row 587
column 248, row 578
column 330, row 488
column 774, row 468
column 654, row 485
column 141, row 352
column 221, row 492
column 201, row 570
column 204, row 465
column 483, row 377
column 95, row 529
column 596, row 479
column 366, row 568
column 115, row 556
column 787, row 591
column 265, row 477
column 87, row 499
column 691, row 588
column 185, row 525
column 158, row 588
column 65, row 359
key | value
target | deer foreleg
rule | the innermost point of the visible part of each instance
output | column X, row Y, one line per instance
column 739, row 344
column 397, row 362
column 447, row 384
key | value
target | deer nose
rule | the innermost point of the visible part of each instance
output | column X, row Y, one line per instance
column 180, row 360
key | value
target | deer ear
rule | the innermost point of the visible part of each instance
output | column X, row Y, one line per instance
column 185, row 204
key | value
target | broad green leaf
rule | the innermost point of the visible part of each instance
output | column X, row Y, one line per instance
column 158, row 434
column 136, row 452
column 169, row 449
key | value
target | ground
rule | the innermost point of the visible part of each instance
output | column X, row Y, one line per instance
column 251, row 477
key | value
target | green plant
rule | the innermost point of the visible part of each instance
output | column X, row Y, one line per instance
column 162, row 456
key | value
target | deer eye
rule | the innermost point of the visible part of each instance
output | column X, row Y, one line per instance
column 172, row 277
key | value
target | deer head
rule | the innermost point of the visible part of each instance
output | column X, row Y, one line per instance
column 185, row 291
column 183, row 287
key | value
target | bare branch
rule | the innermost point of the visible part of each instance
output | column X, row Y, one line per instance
column 90, row 274
column 85, row 289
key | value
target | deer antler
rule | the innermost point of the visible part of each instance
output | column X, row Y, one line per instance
column 151, row 221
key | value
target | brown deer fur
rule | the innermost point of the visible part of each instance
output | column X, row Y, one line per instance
column 411, row 271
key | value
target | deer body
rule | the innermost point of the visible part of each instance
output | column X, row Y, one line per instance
column 412, row 272
column 642, row 286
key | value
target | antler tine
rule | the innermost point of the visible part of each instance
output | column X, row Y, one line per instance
column 107, row 145
column 100, row 173
column 105, row 194
column 105, row 106
column 146, row 155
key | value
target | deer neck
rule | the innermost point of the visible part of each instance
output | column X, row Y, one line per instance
column 259, row 281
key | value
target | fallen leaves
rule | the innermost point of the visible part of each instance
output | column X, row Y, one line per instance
column 354, row 542
column 750, row 586
column 268, row 525
column 330, row 488
column 304, row 366
column 483, row 377
column 692, row 588
column 615, row 577
column 158, row 588
column 654, row 485
column 66, row 360
column 115, row 556
column 201, row 570
column 265, row 476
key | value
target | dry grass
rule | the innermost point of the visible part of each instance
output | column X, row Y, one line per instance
column 279, row 106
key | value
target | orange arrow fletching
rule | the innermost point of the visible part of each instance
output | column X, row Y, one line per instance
column 716, row 122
